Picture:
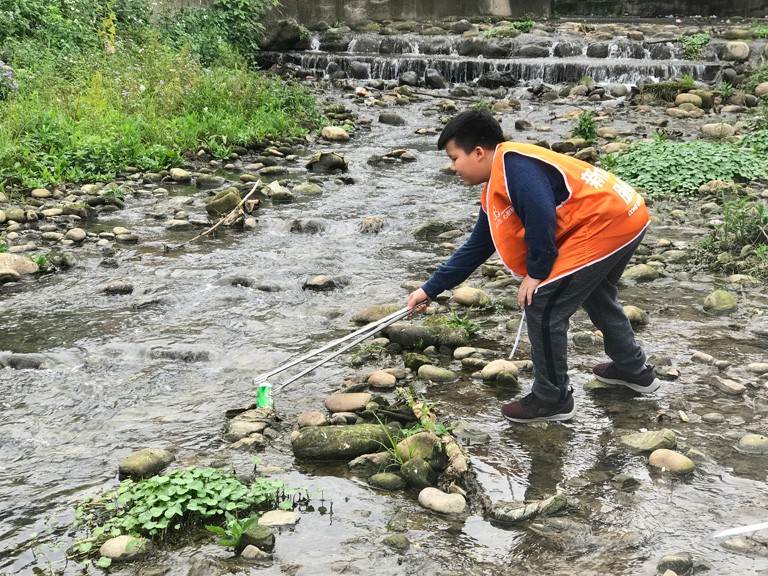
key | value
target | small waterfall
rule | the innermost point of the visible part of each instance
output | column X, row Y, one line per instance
column 314, row 44
column 518, row 70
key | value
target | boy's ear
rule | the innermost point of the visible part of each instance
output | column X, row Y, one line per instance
column 479, row 152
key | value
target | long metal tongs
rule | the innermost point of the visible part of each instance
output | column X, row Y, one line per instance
column 357, row 336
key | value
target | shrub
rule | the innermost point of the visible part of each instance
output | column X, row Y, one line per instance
column 585, row 126
column 510, row 29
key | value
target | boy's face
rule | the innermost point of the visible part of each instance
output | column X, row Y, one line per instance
column 473, row 167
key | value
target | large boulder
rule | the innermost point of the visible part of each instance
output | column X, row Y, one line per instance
column 736, row 51
column 281, row 36
column 345, row 443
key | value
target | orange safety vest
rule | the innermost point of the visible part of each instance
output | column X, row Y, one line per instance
column 601, row 215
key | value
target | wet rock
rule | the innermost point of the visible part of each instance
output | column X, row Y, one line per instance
column 374, row 313
column 432, row 229
column 625, row 481
column 671, row 461
column 419, row 337
column 615, row 148
column 7, row 275
column 713, row 418
column 338, row 442
column 514, row 512
column 239, row 428
column 370, row 225
column 650, row 441
column 729, row 387
column 637, row 316
column 327, row 162
column 311, row 418
column 439, row 501
column 735, row 51
column 308, row 188
column 758, row 367
column 761, row 89
column 720, row 302
column 398, row 542
column 433, row 79
column 641, row 273
column 347, row 401
column 747, row 546
column 279, row 518
column 259, row 536
column 391, row 118
column 718, row 130
column 180, row 175
column 387, row 481
column 680, row 563
column 418, row 474
column 493, row 369
column 370, row 464
column 425, row 445
column 436, row 374
column 125, row 548
column 382, row 380
column 117, row 287
column 409, row 78
column 223, row 202
column 335, row 134
column 145, row 463
column 414, row 361
column 687, row 98
column 753, row 444
column 250, row 552
column 319, row 283
column 19, row 264
column 468, row 296
column 76, row 235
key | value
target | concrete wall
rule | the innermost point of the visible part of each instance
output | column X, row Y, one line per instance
column 309, row 12
column 661, row 8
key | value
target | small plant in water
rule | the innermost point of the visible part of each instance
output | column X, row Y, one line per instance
column 113, row 192
column 464, row 322
column 687, row 82
column 726, row 90
column 659, row 135
column 156, row 506
column 586, row 127
column 232, row 532
column 692, row 44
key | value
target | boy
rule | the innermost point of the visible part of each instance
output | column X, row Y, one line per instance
column 568, row 229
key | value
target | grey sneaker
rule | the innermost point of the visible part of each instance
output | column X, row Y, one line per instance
column 645, row 383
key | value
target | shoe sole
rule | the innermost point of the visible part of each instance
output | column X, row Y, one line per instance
column 652, row 387
column 553, row 418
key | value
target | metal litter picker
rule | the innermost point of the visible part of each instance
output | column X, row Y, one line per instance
column 264, row 394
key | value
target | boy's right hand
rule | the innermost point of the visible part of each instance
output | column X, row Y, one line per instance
column 418, row 302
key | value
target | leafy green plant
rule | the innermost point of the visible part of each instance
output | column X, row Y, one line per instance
column 232, row 532
column 365, row 352
column 757, row 77
column 393, row 439
column 585, row 126
column 486, row 105
column 462, row 321
column 760, row 30
column 659, row 135
column 511, row 29
column 113, row 192
column 744, row 223
column 692, row 44
column 681, row 167
column 687, row 82
column 154, row 506
column 3, row 247
column 725, row 89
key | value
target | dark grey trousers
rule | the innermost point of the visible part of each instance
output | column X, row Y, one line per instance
column 551, row 308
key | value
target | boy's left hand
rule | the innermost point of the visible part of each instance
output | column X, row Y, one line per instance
column 527, row 289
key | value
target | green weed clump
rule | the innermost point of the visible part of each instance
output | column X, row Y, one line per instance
column 692, row 44
column 511, row 29
column 757, row 77
column 760, row 30
column 585, row 126
column 669, row 168
column 97, row 88
column 161, row 505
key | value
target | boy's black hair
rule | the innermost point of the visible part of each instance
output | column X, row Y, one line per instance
column 470, row 129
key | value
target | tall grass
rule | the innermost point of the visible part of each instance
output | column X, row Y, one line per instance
column 141, row 100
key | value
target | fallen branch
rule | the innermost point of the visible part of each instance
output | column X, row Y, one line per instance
column 226, row 218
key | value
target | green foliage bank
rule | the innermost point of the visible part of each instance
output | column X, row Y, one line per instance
column 91, row 87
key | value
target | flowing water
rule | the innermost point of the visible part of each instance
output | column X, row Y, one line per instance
column 160, row 367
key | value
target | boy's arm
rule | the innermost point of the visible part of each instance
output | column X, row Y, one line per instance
column 476, row 250
column 532, row 195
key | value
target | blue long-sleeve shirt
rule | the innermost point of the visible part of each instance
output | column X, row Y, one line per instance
column 535, row 189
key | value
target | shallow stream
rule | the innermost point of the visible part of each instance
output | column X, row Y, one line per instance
column 160, row 367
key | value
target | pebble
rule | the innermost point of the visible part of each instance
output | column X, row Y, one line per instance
column 382, row 380
column 312, row 418
column 671, row 461
column 439, row 501
column 730, row 387
column 347, row 401
column 436, row 374
column 753, row 444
